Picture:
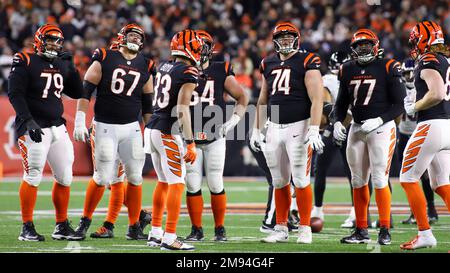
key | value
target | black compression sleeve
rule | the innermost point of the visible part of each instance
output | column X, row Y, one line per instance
column 147, row 103
column 88, row 88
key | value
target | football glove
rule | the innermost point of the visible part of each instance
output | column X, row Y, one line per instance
column 80, row 132
column 314, row 139
column 191, row 153
column 371, row 124
column 229, row 125
column 34, row 130
column 410, row 106
column 339, row 132
column 255, row 140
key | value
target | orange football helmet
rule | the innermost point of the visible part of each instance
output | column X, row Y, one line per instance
column 43, row 35
column 208, row 48
column 282, row 29
column 365, row 45
column 187, row 44
column 423, row 36
column 123, row 41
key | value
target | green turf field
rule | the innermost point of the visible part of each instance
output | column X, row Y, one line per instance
column 242, row 229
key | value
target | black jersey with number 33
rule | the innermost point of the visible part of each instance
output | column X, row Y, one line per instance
column 35, row 87
column 373, row 90
column 119, row 93
column 170, row 77
column 442, row 65
column 286, row 86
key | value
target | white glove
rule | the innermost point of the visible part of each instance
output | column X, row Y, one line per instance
column 339, row 132
column 314, row 139
column 410, row 106
column 80, row 133
column 255, row 140
column 229, row 125
column 371, row 124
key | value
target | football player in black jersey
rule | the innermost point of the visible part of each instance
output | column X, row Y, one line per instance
column 123, row 80
column 36, row 84
column 208, row 107
column 292, row 88
column 175, row 82
column 373, row 89
column 429, row 145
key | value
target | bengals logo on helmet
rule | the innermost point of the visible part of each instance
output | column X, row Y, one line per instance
column 187, row 44
column 44, row 33
column 286, row 28
column 423, row 36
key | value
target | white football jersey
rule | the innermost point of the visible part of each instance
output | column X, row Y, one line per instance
column 331, row 82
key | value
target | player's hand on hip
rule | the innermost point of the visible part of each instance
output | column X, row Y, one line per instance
column 371, row 124
column 191, row 153
column 229, row 125
column 314, row 139
column 34, row 130
column 339, row 131
column 80, row 132
column 255, row 140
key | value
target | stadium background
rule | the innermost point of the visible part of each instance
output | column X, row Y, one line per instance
column 242, row 30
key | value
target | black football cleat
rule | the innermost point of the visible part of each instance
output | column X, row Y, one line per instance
column 145, row 218
column 135, row 232
column 359, row 236
column 106, row 231
column 82, row 228
column 29, row 233
column 219, row 234
column 384, row 237
column 64, row 231
column 196, row 234
column 409, row 221
column 433, row 217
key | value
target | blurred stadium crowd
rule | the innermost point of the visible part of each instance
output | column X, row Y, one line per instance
column 242, row 29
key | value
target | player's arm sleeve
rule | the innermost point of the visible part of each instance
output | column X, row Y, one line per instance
column 342, row 101
column 73, row 86
column 17, row 87
column 397, row 92
column 312, row 61
column 190, row 75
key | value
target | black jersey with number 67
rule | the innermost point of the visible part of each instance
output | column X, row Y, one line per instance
column 208, row 107
column 288, row 97
column 170, row 77
column 35, row 87
column 373, row 90
column 119, row 93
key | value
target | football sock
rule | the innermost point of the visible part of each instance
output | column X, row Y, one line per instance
column 194, row 202
column 282, row 204
column 60, row 197
column 115, row 202
column 94, row 193
column 219, row 206
column 174, row 196
column 361, row 198
column 159, row 203
column 304, row 204
column 417, row 203
column 28, row 196
column 134, row 197
column 383, row 199
column 444, row 193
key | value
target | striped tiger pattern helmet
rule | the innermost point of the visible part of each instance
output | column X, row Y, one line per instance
column 423, row 36
column 187, row 44
column 365, row 45
column 43, row 35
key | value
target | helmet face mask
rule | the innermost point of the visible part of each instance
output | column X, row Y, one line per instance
column 52, row 46
column 285, row 43
column 131, row 37
column 365, row 50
